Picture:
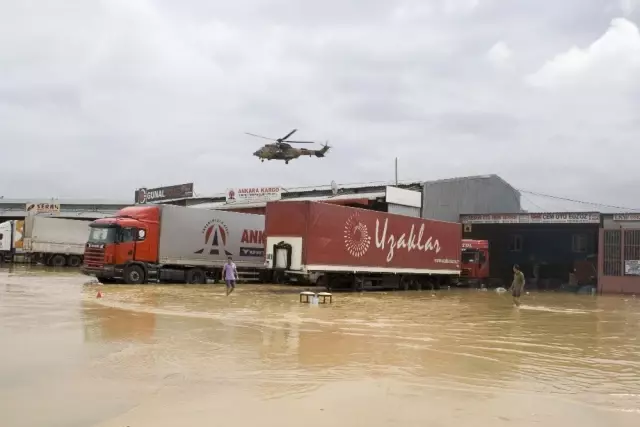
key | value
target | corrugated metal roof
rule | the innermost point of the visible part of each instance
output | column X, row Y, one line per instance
column 470, row 178
column 223, row 205
column 317, row 188
column 67, row 201
column 63, row 214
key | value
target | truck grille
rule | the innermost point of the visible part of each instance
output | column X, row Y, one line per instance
column 94, row 257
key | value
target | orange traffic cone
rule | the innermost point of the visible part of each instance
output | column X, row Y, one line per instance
column 99, row 295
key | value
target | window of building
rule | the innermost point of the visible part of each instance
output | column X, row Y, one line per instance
column 516, row 243
column 579, row 243
column 612, row 253
column 1, row 236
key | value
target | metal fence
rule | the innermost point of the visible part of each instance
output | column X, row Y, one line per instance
column 612, row 253
column 620, row 246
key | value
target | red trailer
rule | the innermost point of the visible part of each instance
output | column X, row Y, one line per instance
column 357, row 248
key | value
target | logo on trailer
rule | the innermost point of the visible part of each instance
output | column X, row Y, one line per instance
column 231, row 195
column 415, row 237
column 356, row 236
column 216, row 236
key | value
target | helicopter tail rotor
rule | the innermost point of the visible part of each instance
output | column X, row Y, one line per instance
column 325, row 148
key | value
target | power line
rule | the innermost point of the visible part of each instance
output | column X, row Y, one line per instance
column 534, row 203
column 566, row 199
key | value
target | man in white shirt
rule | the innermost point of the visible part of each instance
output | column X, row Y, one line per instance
column 230, row 275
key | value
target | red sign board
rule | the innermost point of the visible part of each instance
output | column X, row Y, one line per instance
column 350, row 237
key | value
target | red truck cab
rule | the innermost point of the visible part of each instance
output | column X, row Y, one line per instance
column 475, row 260
column 119, row 247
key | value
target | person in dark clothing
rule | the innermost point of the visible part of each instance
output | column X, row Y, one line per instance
column 517, row 285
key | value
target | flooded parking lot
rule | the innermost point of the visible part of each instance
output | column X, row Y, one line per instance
column 189, row 356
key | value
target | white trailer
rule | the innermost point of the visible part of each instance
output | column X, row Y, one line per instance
column 56, row 242
column 11, row 242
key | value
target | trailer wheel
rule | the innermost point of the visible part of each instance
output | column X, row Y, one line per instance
column 74, row 261
column 196, row 276
column 58, row 260
column 134, row 275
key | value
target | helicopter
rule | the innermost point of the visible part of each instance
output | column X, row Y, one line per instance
column 281, row 149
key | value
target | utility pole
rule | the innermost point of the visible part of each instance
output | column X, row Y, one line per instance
column 396, row 171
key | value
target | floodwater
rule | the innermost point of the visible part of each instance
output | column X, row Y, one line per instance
column 189, row 356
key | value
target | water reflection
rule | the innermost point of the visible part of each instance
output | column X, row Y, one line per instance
column 103, row 323
column 192, row 350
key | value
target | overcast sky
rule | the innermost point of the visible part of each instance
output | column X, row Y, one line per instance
column 98, row 98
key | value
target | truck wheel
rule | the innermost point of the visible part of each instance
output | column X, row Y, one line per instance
column 134, row 275
column 196, row 276
column 74, row 261
column 58, row 260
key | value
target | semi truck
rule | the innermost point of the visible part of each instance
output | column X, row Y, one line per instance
column 56, row 242
column 361, row 249
column 166, row 243
column 475, row 262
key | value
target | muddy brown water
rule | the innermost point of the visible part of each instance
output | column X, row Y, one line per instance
column 189, row 356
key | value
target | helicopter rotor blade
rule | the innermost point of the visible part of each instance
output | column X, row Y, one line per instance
column 288, row 135
column 260, row 136
column 301, row 142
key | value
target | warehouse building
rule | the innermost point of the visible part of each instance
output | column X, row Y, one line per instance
column 404, row 198
column 548, row 247
column 442, row 199
column 88, row 209
column 447, row 199
column 619, row 249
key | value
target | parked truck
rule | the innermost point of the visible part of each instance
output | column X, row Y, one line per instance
column 10, row 239
column 56, row 242
column 165, row 243
column 360, row 249
column 475, row 263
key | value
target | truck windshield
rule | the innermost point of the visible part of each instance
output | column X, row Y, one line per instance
column 102, row 235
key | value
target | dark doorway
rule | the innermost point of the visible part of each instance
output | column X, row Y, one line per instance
column 546, row 253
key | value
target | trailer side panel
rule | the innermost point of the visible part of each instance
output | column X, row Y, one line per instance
column 205, row 237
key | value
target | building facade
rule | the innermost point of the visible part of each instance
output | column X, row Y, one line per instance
column 447, row 199
column 65, row 208
column 619, row 249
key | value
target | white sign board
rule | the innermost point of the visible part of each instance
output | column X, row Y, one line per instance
column 253, row 195
column 400, row 196
column 627, row 217
column 46, row 207
column 632, row 267
column 533, row 218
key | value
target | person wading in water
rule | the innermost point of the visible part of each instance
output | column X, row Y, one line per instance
column 517, row 285
column 230, row 275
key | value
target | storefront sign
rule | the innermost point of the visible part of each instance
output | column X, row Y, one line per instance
column 533, row 218
column 632, row 267
column 627, row 217
column 144, row 195
column 46, row 207
column 253, row 194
